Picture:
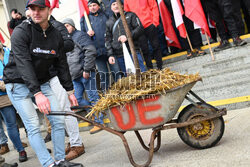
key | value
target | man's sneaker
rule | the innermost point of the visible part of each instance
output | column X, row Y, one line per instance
column 68, row 164
column 94, row 130
column 47, row 138
column 239, row 42
column 22, row 156
column 223, row 45
column 75, row 152
column 4, row 149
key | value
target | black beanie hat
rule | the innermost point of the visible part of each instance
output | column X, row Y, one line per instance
column 93, row 1
column 112, row 1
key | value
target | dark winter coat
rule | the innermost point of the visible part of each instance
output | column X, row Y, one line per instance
column 114, row 47
column 98, row 24
column 16, row 22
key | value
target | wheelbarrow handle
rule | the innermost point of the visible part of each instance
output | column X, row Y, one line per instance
column 80, row 107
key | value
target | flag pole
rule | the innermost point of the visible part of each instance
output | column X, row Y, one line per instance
column 87, row 20
column 210, row 48
column 4, row 33
column 129, row 36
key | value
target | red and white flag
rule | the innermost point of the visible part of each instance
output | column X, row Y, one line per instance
column 1, row 38
column 194, row 11
column 83, row 7
column 169, row 32
column 178, row 12
column 55, row 4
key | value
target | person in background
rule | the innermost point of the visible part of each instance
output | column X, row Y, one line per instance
column 115, row 36
column 220, row 10
column 148, row 13
column 82, row 68
column 36, row 46
column 104, row 4
column 16, row 18
column 27, row 13
column 3, row 138
column 98, row 21
column 8, row 112
column 238, row 16
column 246, row 13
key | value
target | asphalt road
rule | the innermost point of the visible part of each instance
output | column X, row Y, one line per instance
column 106, row 150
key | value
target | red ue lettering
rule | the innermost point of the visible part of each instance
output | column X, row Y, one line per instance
column 143, row 109
column 132, row 120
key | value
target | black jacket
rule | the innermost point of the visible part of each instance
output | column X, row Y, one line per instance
column 16, row 22
column 33, row 52
column 114, row 47
column 68, row 42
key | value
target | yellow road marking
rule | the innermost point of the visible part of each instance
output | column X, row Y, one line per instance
column 225, row 101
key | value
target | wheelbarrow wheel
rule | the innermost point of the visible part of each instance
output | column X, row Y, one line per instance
column 204, row 134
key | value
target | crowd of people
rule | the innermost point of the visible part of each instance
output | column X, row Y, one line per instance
column 52, row 64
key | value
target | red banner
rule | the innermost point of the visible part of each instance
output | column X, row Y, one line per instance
column 194, row 11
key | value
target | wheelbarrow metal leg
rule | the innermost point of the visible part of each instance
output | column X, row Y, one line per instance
column 158, row 136
column 151, row 150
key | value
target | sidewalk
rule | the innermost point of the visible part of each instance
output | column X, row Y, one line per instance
column 106, row 150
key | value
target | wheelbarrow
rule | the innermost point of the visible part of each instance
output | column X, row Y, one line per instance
column 199, row 124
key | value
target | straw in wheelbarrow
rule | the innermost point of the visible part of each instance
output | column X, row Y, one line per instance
column 130, row 88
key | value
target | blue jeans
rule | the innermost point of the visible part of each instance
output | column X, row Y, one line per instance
column 9, row 116
column 102, row 65
column 3, row 137
column 123, row 67
column 20, row 97
column 89, row 85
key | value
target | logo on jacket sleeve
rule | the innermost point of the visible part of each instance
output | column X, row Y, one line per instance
column 39, row 50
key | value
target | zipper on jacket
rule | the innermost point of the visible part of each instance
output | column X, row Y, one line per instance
column 44, row 34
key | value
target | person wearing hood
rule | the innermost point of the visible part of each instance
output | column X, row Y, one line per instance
column 98, row 20
column 36, row 46
column 115, row 36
